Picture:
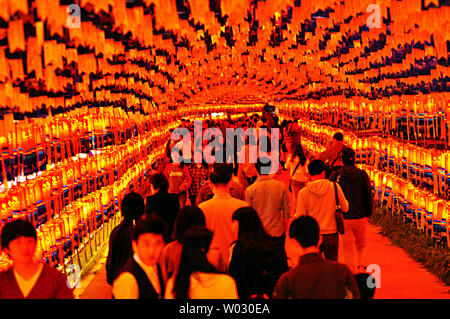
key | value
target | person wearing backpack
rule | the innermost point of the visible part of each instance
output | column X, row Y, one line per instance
column 332, row 156
column 355, row 184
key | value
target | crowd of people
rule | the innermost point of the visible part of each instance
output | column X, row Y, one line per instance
column 226, row 230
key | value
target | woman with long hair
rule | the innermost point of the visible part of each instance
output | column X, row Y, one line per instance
column 189, row 216
column 296, row 164
column 257, row 261
column 197, row 278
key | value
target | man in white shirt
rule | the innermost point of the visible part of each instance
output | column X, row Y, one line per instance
column 141, row 277
column 270, row 198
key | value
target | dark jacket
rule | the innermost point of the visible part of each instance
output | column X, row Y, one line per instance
column 256, row 268
column 146, row 290
column 317, row 278
column 120, row 250
column 355, row 184
column 164, row 205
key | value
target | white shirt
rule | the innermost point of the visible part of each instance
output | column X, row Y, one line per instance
column 126, row 286
column 27, row 285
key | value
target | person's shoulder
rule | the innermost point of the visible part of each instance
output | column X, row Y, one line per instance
column 52, row 272
column 235, row 184
column 238, row 201
column 225, row 278
column 205, row 204
column 303, row 191
column 278, row 183
column 6, row 273
column 173, row 246
column 288, row 275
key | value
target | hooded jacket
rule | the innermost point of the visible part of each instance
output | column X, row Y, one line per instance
column 317, row 200
column 355, row 184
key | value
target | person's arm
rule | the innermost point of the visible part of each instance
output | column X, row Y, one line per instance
column 109, row 261
column 248, row 197
column 301, row 208
column 168, row 294
column 125, row 287
column 288, row 161
column 166, row 171
column 188, row 180
column 286, row 209
column 342, row 200
column 352, row 285
column 368, row 202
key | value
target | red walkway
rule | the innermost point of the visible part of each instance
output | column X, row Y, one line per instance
column 400, row 276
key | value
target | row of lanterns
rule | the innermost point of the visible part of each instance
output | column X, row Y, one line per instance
column 425, row 209
column 423, row 118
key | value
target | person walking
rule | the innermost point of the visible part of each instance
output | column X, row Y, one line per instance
column 270, row 198
column 297, row 164
column 188, row 217
column 355, row 184
column 200, row 174
column 161, row 202
column 179, row 180
column 313, row 277
column 120, row 249
column 141, row 277
column 197, row 278
column 219, row 210
column 318, row 199
column 256, row 260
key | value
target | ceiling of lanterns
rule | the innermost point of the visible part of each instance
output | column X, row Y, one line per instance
column 169, row 52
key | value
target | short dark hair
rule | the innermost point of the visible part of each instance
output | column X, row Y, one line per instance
column 348, row 156
column 221, row 174
column 133, row 206
column 338, row 136
column 159, row 181
column 188, row 217
column 305, row 230
column 15, row 229
column 260, row 164
column 154, row 225
column 316, row 167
